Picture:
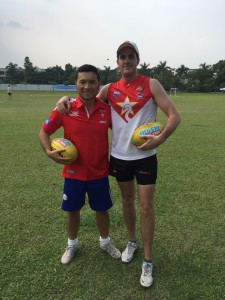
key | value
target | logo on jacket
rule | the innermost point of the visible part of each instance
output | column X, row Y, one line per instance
column 127, row 108
column 47, row 121
column 140, row 92
column 74, row 114
column 116, row 94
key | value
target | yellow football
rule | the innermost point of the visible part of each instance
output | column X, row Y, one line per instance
column 70, row 151
column 154, row 128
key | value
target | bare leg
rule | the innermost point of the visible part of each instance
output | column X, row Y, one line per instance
column 145, row 195
column 73, row 223
column 129, row 213
column 102, row 221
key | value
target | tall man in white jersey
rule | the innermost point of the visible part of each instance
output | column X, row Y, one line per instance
column 134, row 100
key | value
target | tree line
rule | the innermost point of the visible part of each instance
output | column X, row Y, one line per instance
column 206, row 78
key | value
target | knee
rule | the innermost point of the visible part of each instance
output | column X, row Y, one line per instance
column 146, row 210
column 127, row 199
column 73, row 214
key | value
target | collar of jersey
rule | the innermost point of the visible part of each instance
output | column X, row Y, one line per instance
column 79, row 103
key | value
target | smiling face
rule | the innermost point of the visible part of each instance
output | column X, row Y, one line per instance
column 88, row 86
column 127, row 62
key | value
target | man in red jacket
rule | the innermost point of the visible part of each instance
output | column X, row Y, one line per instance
column 87, row 127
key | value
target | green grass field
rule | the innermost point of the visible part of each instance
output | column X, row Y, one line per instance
column 189, row 248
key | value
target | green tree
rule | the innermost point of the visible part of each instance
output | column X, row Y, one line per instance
column 205, row 77
column 167, row 79
column 201, row 79
column 165, row 75
column 55, row 75
column 69, row 74
column 181, row 75
column 182, row 71
column 145, row 70
column 104, row 75
column 114, row 75
column 219, row 74
column 28, row 70
column 13, row 74
column 39, row 76
column 161, row 67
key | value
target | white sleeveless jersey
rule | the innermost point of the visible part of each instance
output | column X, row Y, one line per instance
column 132, row 105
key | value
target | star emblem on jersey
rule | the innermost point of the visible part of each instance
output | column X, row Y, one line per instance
column 127, row 108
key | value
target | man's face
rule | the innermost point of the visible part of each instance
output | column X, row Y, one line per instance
column 127, row 61
column 87, row 85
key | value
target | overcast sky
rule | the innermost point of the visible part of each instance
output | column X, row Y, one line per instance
column 57, row 32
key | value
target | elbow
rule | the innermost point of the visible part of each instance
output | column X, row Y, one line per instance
column 177, row 118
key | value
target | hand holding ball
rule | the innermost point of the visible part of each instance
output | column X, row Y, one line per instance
column 154, row 128
column 70, row 151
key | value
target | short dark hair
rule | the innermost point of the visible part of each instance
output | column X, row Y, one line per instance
column 87, row 68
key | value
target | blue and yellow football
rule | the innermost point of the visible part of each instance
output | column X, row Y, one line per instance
column 154, row 128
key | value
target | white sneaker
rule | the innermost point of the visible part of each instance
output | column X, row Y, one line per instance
column 69, row 254
column 128, row 253
column 115, row 253
column 146, row 279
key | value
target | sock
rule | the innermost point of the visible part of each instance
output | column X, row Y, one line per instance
column 72, row 242
column 148, row 261
column 104, row 241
